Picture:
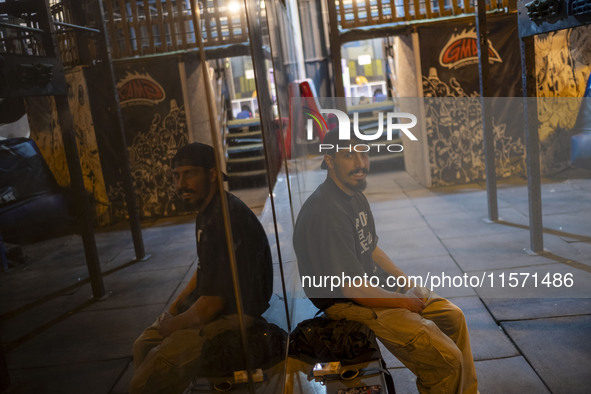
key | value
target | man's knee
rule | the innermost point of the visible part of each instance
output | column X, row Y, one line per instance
column 136, row 384
column 141, row 348
column 453, row 321
column 447, row 366
column 158, row 375
column 138, row 344
column 456, row 313
column 454, row 357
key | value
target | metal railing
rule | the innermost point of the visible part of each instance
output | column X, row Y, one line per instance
column 145, row 27
column 20, row 33
column 67, row 40
column 361, row 13
column 20, row 36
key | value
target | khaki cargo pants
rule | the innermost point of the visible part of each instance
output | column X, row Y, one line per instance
column 167, row 365
column 434, row 345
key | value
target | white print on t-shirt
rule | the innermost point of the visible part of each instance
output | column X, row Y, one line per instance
column 365, row 237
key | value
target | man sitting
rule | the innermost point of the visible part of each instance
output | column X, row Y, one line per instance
column 335, row 235
column 166, row 354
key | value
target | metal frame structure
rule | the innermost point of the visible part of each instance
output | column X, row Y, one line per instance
column 149, row 27
column 528, row 29
column 354, row 22
column 31, row 37
column 488, row 138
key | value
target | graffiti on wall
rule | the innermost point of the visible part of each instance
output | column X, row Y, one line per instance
column 462, row 50
column 46, row 132
column 87, row 145
column 150, row 154
column 454, row 128
column 435, row 87
column 449, row 64
column 139, row 89
column 563, row 65
column 150, row 94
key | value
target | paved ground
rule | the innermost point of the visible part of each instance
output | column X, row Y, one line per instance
column 525, row 339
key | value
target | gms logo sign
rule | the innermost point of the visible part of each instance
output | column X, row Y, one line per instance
column 139, row 89
column 462, row 50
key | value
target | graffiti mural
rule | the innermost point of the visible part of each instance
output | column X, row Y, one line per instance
column 87, row 145
column 449, row 63
column 454, row 132
column 150, row 154
column 45, row 131
column 563, row 65
column 155, row 122
column 434, row 87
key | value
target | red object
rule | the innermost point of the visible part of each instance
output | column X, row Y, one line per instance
column 296, row 129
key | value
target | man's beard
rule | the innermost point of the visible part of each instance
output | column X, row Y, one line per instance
column 190, row 205
column 193, row 205
column 361, row 184
column 358, row 186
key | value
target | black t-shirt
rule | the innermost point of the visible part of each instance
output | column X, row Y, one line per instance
column 334, row 236
column 253, row 257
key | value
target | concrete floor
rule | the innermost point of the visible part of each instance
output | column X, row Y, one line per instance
column 525, row 339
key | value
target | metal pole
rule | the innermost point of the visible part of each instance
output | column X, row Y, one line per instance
column 132, row 209
column 335, row 50
column 489, row 152
column 3, row 258
column 20, row 27
column 222, row 192
column 83, row 209
column 264, row 100
column 532, row 146
column 76, row 27
column 84, row 212
column 4, row 374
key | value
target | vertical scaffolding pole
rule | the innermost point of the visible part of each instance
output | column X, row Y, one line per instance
column 335, row 50
column 84, row 213
column 532, row 146
column 257, row 51
column 489, row 151
column 220, row 183
column 4, row 375
column 130, row 200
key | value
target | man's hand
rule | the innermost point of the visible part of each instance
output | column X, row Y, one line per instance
column 413, row 300
column 205, row 309
column 416, row 299
column 414, row 304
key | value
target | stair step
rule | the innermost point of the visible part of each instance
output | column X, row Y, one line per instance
column 243, row 174
column 244, row 134
column 246, row 164
column 245, row 159
column 245, row 148
column 240, row 123
column 244, row 142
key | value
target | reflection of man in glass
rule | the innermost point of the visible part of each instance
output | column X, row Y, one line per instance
column 166, row 354
column 335, row 237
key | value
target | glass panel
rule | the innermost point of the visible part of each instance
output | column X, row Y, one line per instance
column 273, row 32
column 248, row 129
column 168, row 102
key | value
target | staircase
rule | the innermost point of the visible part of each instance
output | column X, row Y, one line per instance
column 245, row 156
